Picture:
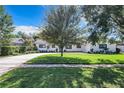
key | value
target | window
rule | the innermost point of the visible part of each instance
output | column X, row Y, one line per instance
column 42, row 46
column 103, row 46
column 69, row 47
column 78, row 45
column 53, row 46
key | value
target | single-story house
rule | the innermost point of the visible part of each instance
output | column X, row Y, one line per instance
column 44, row 46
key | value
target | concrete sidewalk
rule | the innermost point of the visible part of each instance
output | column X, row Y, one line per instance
column 71, row 65
column 11, row 62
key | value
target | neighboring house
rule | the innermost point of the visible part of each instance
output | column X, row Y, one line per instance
column 44, row 46
column 17, row 41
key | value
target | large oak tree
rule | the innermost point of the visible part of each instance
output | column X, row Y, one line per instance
column 103, row 21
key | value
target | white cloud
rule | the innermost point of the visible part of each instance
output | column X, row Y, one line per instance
column 26, row 29
column 84, row 20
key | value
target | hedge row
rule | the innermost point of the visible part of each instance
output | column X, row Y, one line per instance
column 12, row 50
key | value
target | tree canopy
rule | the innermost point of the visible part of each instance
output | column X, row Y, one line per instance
column 62, row 26
column 103, row 21
column 6, row 27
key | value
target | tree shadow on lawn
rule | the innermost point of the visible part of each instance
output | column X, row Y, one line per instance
column 110, row 77
column 107, row 61
column 64, row 77
column 58, row 60
column 70, row 60
column 120, row 61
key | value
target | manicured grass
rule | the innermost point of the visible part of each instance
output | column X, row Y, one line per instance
column 79, row 58
column 63, row 77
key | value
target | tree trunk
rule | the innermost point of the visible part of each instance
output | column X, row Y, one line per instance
column 61, row 51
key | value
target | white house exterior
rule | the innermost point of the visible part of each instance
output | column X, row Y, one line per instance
column 44, row 46
column 121, row 46
column 110, row 47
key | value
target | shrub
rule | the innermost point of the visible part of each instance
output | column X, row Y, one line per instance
column 22, row 49
column 9, row 50
column 35, row 48
column 118, row 50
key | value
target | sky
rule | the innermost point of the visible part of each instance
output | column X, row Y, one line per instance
column 27, row 18
column 26, row 14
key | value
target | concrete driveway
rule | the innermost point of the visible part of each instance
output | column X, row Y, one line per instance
column 11, row 62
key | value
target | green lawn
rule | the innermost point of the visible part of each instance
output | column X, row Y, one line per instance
column 79, row 58
column 67, row 77
column 63, row 77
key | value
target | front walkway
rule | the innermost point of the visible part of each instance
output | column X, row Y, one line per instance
column 11, row 62
column 70, row 65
